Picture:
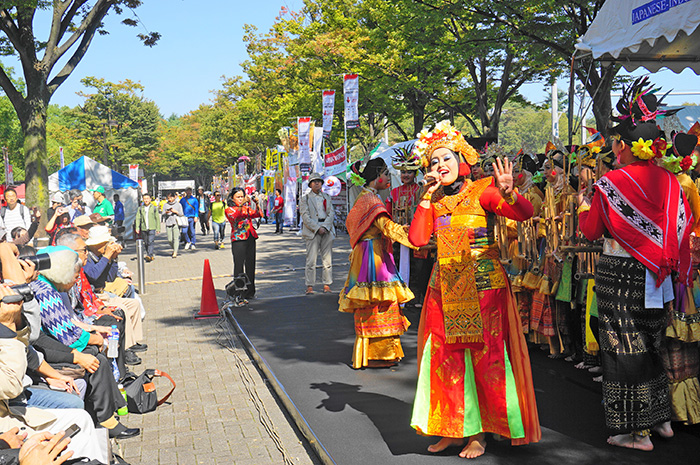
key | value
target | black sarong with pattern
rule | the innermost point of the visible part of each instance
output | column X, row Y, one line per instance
column 635, row 386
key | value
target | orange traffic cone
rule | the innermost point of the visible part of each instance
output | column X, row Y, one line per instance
column 209, row 306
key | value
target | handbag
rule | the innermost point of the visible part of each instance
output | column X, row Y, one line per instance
column 117, row 287
column 182, row 221
column 141, row 394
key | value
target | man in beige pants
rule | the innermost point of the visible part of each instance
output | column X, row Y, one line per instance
column 318, row 231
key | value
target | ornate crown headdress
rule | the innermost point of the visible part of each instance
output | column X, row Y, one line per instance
column 447, row 136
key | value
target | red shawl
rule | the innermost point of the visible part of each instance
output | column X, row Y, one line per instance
column 367, row 208
column 645, row 211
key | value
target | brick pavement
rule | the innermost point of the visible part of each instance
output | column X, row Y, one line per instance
column 211, row 418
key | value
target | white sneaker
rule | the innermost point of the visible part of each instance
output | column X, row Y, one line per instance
column 193, row 246
column 188, row 245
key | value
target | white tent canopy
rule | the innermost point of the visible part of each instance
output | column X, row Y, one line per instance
column 642, row 33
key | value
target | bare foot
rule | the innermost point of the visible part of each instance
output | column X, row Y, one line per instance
column 475, row 447
column 631, row 441
column 444, row 443
column 664, row 430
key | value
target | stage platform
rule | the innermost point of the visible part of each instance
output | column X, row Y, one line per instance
column 303, row 345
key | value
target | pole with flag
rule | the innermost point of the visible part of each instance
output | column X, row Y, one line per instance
column 351, row 94
column 63, row 161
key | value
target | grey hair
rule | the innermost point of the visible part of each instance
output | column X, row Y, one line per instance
column 69, row 240
column 74, row 194
column 64, row 265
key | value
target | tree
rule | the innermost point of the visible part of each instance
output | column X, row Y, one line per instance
column 118, row 123
column 74, row 24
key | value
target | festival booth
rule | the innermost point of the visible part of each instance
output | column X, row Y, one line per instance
column 641, row 33
column 85, row 174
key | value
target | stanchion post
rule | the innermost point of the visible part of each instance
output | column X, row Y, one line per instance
column 141, row 266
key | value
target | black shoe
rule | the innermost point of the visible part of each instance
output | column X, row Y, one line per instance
column 122, row 432
column 138, row 347
column 131, row 358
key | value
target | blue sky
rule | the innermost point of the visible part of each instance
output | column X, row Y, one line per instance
column 202, row 40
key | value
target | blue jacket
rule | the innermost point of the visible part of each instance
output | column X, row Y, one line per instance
column 190, row 206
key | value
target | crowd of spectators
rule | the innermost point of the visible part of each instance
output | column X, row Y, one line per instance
column 54, row 326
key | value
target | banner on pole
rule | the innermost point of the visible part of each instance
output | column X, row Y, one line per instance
column 63, row 161
column 351, row 94
column 328, row 108
column 9, row 179
column 335, row 162
column 134, row 172
column 303, row 129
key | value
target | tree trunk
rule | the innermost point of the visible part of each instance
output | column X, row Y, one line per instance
column 35, row 161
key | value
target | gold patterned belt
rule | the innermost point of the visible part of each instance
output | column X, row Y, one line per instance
column 614, row 249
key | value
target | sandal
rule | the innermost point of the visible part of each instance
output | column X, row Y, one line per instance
column 326, row 289
column 309, row 290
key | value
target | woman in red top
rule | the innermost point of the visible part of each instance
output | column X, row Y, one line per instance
column 243, row 236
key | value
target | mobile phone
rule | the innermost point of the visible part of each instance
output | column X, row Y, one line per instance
column 72, row 430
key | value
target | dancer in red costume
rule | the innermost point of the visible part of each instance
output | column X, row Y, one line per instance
column 474, row 369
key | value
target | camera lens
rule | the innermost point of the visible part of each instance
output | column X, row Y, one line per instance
column 42, row 261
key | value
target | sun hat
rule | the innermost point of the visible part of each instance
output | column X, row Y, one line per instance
column 315, row 177
column 99, row 235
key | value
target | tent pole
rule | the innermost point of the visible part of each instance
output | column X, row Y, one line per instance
column 571, row 102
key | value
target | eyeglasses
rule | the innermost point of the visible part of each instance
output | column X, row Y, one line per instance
column 81, row 250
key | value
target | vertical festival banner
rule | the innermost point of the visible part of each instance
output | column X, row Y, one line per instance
column 8, row 168
column 328, row 108
column 303, row 130
column 63, row 161
column 134, row 172
column 335, row 162
column 351, row 94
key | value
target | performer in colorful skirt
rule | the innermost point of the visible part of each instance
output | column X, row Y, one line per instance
column 374, row 291
column 474, row 369
column 645, row 220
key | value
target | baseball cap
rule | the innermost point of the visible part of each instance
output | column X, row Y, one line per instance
column 57, row 198
column 99, row 189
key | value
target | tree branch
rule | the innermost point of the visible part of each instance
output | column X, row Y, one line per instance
column 12, row 93
column 55, row 33
column 87, row 27
column 8, row 26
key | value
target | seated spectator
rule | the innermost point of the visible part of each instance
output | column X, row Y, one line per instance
column 94, row 308
column 58, row 320
column 103, row 269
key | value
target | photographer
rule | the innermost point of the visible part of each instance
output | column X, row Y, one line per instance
column 240, row 212
column 77, row 207
column 59, row 220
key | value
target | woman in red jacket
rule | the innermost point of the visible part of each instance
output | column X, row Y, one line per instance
column 240, row 212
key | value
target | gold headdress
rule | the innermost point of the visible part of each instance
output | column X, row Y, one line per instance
column 447, row 136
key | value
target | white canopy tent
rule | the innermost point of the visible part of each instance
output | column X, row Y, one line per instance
column 642, row 33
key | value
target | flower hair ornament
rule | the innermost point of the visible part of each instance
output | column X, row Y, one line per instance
column 443, row 135
column 682, row 157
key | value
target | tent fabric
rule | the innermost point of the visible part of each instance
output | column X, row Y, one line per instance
column 85, row 174
column 643, row 33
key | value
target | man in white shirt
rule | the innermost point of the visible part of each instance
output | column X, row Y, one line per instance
column 14, row 214
column 318, row 232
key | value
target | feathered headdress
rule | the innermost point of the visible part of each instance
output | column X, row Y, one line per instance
column 640, row 104
column 404, row 158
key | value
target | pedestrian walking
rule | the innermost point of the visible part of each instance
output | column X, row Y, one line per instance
column 118, row 211
column 318, row 231
column 190, row 207
column 277, row 209
column 218, row 220
column 204, row 210
column 241, row 210
column 171, row 211
column 147, row 225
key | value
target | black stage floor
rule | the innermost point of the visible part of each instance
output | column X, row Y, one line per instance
column 362, row 416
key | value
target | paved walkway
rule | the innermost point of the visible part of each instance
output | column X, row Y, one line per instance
column 222, row 412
